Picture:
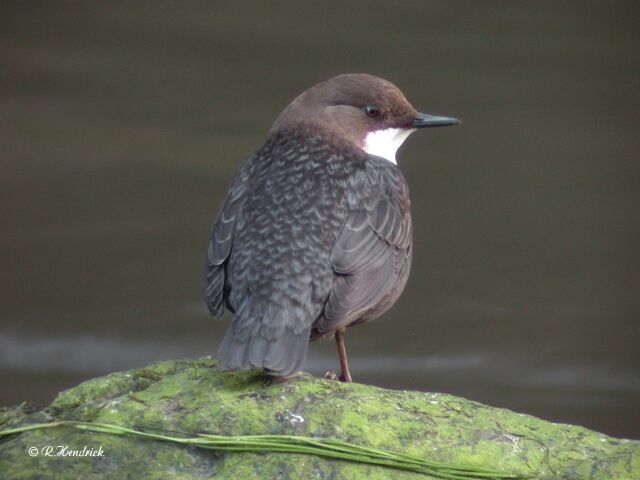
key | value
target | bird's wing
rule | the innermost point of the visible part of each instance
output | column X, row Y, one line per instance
column 213, row 287
column 372, row 253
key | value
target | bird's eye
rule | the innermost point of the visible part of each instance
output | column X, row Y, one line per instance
column 372, row 111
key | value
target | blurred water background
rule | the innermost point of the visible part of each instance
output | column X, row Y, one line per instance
column 122, row 122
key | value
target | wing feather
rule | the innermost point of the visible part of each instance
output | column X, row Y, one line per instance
column 221, row 241
column 371, row 256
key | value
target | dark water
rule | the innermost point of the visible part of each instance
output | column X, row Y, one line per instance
column 121, row 123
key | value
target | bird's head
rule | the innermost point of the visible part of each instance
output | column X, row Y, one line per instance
column 370, row 112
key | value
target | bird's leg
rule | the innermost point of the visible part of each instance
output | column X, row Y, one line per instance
column 345, row 376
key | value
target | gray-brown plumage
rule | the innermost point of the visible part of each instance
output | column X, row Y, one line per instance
column 314, row 234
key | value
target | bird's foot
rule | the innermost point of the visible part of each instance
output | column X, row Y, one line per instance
column 331, row 375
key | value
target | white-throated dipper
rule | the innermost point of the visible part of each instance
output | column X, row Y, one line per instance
column 314, row 235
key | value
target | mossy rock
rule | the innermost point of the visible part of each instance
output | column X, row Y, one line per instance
column 194, row 396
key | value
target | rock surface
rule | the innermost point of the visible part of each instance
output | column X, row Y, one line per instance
column 194, row 396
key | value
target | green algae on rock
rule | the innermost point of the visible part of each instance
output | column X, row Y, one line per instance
column 194, row 396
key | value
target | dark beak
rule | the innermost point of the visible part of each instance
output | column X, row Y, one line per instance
column 423, row 120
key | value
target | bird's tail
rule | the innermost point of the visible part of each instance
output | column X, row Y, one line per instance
column 273, row 338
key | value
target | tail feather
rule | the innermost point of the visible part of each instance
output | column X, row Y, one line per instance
column 256, row 349
column 264, row 340
column 287, row 355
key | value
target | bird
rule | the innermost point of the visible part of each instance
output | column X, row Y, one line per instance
column 315, row 232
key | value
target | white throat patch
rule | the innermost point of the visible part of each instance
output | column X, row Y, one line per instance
column 385, row 143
